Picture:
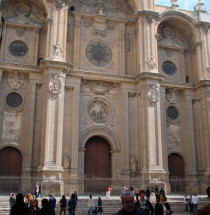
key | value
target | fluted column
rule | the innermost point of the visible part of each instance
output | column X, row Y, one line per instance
column 122, row 48
column 125, row 130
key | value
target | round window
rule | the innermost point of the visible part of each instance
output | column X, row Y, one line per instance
column 14, row 100
column 18, row 48
column 169, row 68
column 98, row 53
column 172, row 113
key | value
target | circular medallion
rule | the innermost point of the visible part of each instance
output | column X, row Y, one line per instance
column 168, row 32
column 14, row 100
column 98, row 53
column 18, row 48
column 55, row 85
column 153, row 95
column 172, row 113
column 169, row 68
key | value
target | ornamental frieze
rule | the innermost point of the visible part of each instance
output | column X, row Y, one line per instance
column 98, row 87
column 172, row 95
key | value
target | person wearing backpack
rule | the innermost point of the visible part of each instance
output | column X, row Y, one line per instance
column 143, row 203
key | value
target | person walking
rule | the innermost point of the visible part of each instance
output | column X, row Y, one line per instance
column 108, row 191
column 143, row 203
column 100, row 206
column 40, row 191
column 52, row 201
column 63, row 203
column 186, row 203
column 91, row 205
column 205, row 210
column 157, row 194
column 128, row 206
column 148, row 193
column 162, row 207
column 72, row 203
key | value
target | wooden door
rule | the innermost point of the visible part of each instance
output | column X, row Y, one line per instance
column 97, row 167
column 176, row 166
column 10, row 162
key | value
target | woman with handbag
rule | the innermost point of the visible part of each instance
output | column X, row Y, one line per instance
column 162, row 207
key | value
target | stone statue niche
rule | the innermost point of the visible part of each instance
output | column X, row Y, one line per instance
column 133, row 164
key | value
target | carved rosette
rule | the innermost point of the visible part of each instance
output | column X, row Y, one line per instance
column 98, row 110
column 153, row 95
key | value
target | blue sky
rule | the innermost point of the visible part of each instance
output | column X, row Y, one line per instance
column 185, row 4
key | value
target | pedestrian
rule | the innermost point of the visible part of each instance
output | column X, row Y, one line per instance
column 136, row 192
column 195, row 202
column 91, row 205
column 186, row 203
column 37, row 191
column 11, row 200
column 46, row 210
column 63, row 203
column 148, row 193
column 143, row 203
column 29, row 197
column 40, row 191
column 108, row 191
column 162, row 190
column 206, row 209
column 52, row 201
column 162, row 207
column 34, row 208
column 132, row 189
column 191, row 204
column 124, row 188
column 75, row 195
column 100, row 206
column 157, row 194
column 20, row 207
column 72, row 203
column 128, row 206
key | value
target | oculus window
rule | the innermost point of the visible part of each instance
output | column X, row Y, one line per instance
column 169, row 68
column 18, row 48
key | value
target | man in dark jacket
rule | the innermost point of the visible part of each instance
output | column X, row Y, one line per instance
column 144, row 203
column 129, row 206
column 46, row 208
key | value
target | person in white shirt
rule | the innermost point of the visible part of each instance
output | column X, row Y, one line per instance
column 195, row 202
column 91, row 205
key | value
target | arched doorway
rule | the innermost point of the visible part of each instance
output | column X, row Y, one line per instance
column 10, row 169
column 176, row 173
column 97, row 167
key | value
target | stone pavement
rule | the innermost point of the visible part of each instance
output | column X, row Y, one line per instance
column 110, row 206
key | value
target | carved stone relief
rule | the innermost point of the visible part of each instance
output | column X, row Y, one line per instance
column 168, row 37
column 11, row 127
column 153, row 95
column 112, row 8
column 99, row 87
column 174, row 138
column 24, row 13
column 15, row 80
column 55, row 85
column 98, row 110
column 66, row 162
column 59, row 4
column 172, row 95
column 152, row 64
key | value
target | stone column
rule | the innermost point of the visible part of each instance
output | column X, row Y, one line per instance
column 125, row 130
column 77, row 41
column 148, row 42
column 151, row 130
column 51, row 168
column 121, row 55
column 199, row 61
column 30, row 126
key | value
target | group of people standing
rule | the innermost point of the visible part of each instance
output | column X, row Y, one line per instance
column 191, row 203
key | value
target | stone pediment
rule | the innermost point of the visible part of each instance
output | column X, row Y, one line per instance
column 110, row 8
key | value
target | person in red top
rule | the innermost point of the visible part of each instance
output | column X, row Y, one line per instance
column 108, row 191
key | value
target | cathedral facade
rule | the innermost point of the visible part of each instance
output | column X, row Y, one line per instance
column 104, row 89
